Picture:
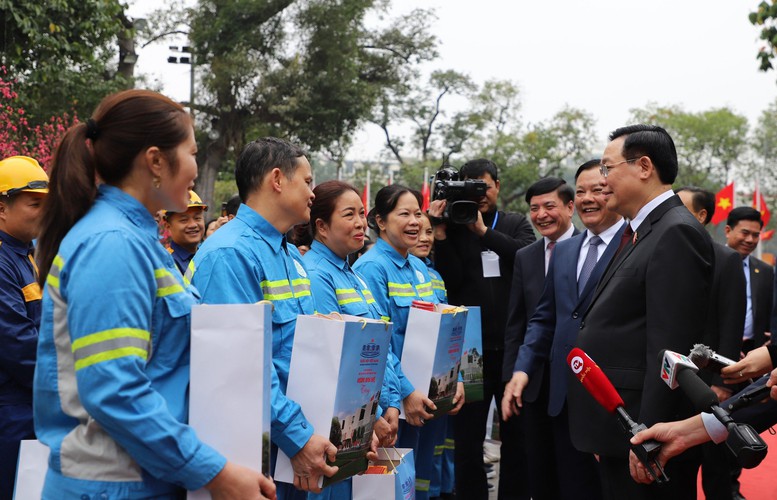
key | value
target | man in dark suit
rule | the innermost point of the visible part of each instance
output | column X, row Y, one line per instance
column 723, row 334
column 653, row 296
column 743, row 232
column 575, row 269
column 551, row 207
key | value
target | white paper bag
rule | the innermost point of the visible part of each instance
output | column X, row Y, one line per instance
column 31, row 470
column 398, row 484
column 335, row 375
column 431, row 354
column 229, row 390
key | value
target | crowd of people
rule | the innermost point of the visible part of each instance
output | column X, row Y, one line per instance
column 102, row 260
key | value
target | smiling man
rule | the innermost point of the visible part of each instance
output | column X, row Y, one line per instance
column 574, row 272
column 653, row 296
column 186, row 231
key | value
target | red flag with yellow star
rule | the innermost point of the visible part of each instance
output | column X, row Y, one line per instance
column 760, row 204
column 724, row 202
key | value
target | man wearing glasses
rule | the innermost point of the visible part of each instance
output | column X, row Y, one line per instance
column 653, row 296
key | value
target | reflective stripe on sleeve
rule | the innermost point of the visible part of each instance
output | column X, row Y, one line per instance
column 438, row 284
column 276, row 290
column 56, row 267
column 166, row 284
column 189, row 274
column 110, row 344
column 301, row 287
column 347, row 296
column 400, row 290
column 425, row 289
column 368, row 296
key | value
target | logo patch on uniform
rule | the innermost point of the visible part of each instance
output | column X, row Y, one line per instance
column 300, row 269
column 420, row 276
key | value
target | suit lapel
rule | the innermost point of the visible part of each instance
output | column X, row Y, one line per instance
column 754, row 275
column 601, row 265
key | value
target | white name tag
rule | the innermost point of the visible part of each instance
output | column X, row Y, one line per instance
column 490, row 264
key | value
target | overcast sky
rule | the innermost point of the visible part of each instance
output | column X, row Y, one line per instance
column 604, row 56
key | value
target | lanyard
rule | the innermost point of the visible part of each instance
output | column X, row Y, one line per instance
column 496, row 218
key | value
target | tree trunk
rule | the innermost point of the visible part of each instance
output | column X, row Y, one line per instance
column 206, row 180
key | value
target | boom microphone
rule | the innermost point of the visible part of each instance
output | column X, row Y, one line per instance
column 679, row 371
column 599, row 386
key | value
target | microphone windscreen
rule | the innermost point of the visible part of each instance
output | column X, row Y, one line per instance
column 594, row 380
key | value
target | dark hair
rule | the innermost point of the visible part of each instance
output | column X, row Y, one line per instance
column 548, row 185
column 474, row 169
column 124, row 125
column 701, row 199
column 654, row 142
column 385, row 202
column 743, row 213
column 299, row 235
column 587, row 166
column 233, row 203
column 259, row 157
column 327, row 194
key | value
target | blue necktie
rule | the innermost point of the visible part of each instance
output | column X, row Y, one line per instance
column 589, row 263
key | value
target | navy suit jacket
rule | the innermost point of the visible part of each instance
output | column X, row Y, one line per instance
column 553, row 328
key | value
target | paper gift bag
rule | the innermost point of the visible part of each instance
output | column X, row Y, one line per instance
column 398, row 483
column 472, row 356
column 335, row 375
column 229, row 389
column 431, row 355
column 31, row 469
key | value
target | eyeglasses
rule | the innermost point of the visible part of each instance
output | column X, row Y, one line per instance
column 605, row 169
column 30, row 185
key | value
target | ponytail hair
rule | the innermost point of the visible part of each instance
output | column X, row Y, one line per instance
column 105, row 147
column 386, row 201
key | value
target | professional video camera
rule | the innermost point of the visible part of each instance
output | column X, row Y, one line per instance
column 462, row 195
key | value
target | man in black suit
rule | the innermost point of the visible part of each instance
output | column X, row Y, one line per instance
column 743, row 232
column 551, row 207
column 723, row 334
column 653, row 296
column 575, row 269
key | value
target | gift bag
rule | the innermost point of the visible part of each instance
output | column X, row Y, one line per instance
column 31, row 469
column 335, row 375
column 472, row 357
column 394, row 481
column 229, row 388
column 431, row 355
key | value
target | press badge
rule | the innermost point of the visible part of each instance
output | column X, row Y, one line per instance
column 490, row 264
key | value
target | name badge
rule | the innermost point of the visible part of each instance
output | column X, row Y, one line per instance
column 490, row 264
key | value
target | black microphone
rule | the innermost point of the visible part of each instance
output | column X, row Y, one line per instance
column 752, row 394
column 679, row 371
column 707, row 359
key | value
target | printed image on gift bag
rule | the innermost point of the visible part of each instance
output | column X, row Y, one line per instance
column 472, row 357
column 230, row 380
column 431, row 355
column 340, row 397
column 391, row 477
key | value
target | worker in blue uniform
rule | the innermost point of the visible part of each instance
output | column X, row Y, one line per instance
column 248, row 260
column 113, row 355
column 187, row 230
column 23, row 186
column 338, row 225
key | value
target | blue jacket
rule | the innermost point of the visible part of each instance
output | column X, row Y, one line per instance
column 20, row 308
column 438, row 285
column 395, row 282
column 181, row 256
column 244, row 262
column 337, row 288
column 113, row 362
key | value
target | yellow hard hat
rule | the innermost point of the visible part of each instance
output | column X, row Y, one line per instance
column 22, row 173
column 194, row 201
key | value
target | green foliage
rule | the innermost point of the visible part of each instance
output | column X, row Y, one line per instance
column 60, row 53
column 766, row 17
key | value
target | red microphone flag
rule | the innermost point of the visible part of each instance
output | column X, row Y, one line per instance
column 594, row 380
column 724, row 203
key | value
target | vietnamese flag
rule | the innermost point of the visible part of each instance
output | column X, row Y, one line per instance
column 760, row 204
column 767, row 235
column 724, row 202
column 425, row 194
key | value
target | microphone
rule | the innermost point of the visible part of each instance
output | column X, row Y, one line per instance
column 599, row 386
column 707, row 359
column 679, row 371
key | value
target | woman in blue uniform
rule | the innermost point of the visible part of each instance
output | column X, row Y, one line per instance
column 113, row 354
column 338, row 225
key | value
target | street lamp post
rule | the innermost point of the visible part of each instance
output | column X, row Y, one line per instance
column 187, row 57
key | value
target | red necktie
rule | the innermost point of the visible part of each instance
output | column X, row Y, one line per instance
column 627, row 234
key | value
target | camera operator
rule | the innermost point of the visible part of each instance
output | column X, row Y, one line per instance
column 461, row 250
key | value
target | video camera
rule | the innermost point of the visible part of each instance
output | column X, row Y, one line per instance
column 462, row 195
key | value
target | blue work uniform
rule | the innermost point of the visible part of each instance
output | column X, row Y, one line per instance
column 20, row 307
column 337, row 288
column 111, row 383
column 246, row 261
column 395, row 282
column 181, row 256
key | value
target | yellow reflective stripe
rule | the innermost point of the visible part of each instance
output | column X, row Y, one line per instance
column 276, row 290
column 424, row 290
column 438, row 284
column 439, row 449
column 450, row 444
column 187, row 277
column 368, row 296
column 56, row 267
column 422, row 484
column 122, row 352
column 52, row 281
column 385, row 318
column 32, row 292
column 347, row 296
column 115, row 333
column 400, row 290
column 166, row 283
column 301, row 287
